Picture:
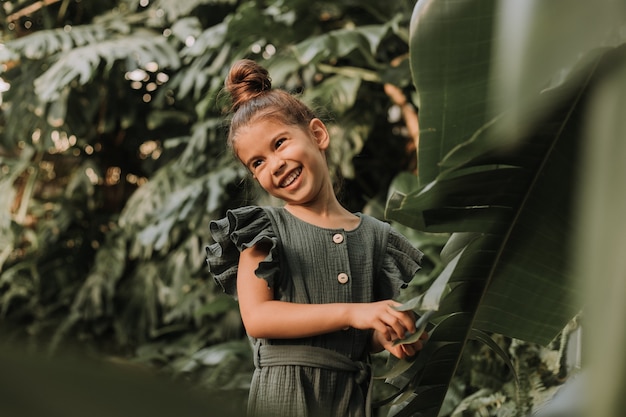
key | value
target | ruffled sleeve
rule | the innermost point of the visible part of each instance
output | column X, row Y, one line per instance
column 241, row 228
column 401, row 262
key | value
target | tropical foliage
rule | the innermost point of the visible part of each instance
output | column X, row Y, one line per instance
column 113, row 159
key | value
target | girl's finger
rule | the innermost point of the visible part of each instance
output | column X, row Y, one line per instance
column 409, row 350
column 407, row 320
column 386, row 332
column 398, row 327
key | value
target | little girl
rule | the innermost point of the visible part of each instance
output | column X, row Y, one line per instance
column 314, row 282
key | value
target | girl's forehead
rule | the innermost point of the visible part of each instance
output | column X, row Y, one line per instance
column 268, row 128
column 258, row 130
column 256, row 134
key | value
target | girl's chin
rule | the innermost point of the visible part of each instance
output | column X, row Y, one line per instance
column 292, row 199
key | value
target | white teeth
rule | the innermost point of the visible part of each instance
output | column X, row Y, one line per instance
column 291, row 178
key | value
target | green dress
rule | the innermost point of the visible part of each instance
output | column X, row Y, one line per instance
column 325, row 375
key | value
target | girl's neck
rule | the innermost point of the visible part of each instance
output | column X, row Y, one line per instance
column 329, row 215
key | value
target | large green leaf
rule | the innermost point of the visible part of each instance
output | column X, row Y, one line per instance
column 450, row 58
column 512, row 189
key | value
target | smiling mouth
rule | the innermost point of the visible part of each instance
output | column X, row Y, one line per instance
column 291, row 178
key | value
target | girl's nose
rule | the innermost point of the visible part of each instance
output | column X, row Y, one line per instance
column 278, row 164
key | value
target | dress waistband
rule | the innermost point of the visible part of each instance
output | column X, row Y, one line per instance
column 316, row 357
column 276, row 355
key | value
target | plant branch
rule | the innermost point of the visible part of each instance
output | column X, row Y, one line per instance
column 408, row 114
column 30, row 9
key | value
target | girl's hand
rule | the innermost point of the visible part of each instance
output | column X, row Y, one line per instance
column 401, row 351
column 389, row 323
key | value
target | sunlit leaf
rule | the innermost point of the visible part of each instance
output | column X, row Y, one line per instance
column 599, row 247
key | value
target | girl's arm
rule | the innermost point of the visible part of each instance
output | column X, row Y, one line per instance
column 264, row 317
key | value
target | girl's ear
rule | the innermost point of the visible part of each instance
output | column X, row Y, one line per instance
column 320, row 133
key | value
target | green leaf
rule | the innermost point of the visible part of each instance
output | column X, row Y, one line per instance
column 340, row 43
column 431, row 368
column 336, row 92
column 430, row 299
column 450, row 49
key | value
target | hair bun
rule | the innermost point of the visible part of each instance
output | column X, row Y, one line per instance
column 246, row 81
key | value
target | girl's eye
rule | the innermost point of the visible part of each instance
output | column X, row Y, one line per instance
column 279, row 142
column 256, row 163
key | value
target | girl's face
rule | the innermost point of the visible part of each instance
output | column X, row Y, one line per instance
column 287, row 161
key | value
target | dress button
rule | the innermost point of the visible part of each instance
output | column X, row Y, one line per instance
column 337, row 238
column 342, row 278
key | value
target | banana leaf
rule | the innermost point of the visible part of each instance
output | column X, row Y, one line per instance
column 494, row 168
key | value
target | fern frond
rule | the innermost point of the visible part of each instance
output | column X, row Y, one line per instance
column 480, row 400
column 48, row 42
column 81, row 63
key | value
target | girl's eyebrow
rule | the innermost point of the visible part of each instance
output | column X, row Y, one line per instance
column 277, row 136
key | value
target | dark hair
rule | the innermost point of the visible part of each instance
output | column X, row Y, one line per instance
column 250, row 88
